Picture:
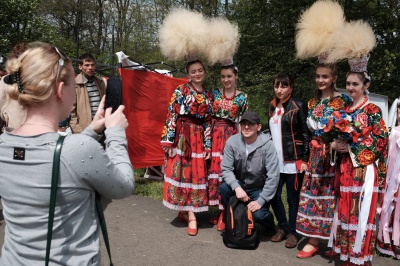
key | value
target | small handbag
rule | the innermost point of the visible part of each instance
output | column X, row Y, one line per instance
column 53, row 194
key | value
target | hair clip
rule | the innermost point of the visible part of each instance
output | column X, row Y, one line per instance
column 17, row 79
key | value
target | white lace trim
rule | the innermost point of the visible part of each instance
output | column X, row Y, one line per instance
column 213, row 202
column 388, row 252
column 216, row 154
column 314, row 236
column 355, row 189
column 358, row 261
column 213, row 176
column 319, row 175
column 184, row 185
column 316, row 197
column 193, row 155
column 185, row 208
column 315, row 218
column 353, row 227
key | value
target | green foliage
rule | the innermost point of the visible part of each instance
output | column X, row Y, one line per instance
column 267, row 44
column 21, row 22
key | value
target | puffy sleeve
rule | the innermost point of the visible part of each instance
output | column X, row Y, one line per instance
column 207, row 123
column 372, row 144
column 174, row 108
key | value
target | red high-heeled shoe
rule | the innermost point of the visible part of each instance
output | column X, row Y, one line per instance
column 192, row 231
column 221, row 221
column 308, row 254
column 183, row 217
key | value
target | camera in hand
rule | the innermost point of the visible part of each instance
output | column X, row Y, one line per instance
column 113, row 93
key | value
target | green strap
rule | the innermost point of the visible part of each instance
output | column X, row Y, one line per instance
column 103, row 225
column 53, row 194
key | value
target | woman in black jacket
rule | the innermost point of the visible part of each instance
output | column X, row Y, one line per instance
column 291, row 137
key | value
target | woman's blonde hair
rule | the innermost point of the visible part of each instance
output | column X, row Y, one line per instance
column 36, row 71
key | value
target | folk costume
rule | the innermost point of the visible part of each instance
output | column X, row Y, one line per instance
column 188, row 129
column 389, row 224
column 362, row 171
column 225, row 116
column 315, row 31
column 317, row 197
column 223, row 39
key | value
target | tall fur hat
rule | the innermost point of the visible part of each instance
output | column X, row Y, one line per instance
column 223, row 39
column 183, row 35
column 354, row 41
column 316, row 28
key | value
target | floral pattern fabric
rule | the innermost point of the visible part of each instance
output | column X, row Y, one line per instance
column 388, row 241
column 187, row 101
column 185, row 178
column 317, row 199
column 229, row 109
column 222, row 109
column 366, row 149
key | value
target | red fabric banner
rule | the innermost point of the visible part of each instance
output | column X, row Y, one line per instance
column 146, row 97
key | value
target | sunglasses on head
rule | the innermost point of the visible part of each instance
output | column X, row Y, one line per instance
column 61, row 61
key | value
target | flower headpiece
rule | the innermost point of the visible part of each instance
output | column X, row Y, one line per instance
column 227, row 61
column 358, row 64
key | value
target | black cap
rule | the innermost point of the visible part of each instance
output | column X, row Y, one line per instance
column 250, row 116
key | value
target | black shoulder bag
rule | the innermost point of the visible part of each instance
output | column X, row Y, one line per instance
column 53, row 194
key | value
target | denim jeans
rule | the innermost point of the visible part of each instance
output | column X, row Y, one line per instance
column 292, row 200
column 263, row 216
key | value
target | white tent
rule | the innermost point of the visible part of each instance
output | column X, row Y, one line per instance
column 393, row 113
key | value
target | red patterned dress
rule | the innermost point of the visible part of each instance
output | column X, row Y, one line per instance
column 389, row 224
column 225, row 116
column 317, row 199
column 188, row 130
column 360, row 180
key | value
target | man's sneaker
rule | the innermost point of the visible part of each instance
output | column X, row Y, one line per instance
column 291, row 241
column 279, row 236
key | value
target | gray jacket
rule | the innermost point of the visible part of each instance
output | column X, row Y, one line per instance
column 258, row 169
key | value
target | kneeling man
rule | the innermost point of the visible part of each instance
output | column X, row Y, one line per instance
column 250, row 170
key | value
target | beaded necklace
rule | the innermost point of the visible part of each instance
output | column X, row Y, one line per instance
column 347, row 108
column 226, row 98
column 194, row 88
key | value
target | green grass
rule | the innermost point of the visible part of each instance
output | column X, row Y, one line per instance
column 154, row 189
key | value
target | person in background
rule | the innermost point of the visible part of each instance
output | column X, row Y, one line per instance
column 389, row 222
column 186, row 140
column 90, row 89
column 291, row 137
column 250, row 170
column 228, row 105
column 45, row 86
column 317, row 196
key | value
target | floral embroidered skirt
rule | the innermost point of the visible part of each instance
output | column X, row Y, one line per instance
column 185, row 178
column 386, row 248
column 352, row 185
column 220, row 134
column 317, row 200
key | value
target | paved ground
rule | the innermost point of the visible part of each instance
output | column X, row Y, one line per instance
column 143, row 232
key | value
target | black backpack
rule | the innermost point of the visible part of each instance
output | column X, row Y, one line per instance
column 240, row 231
